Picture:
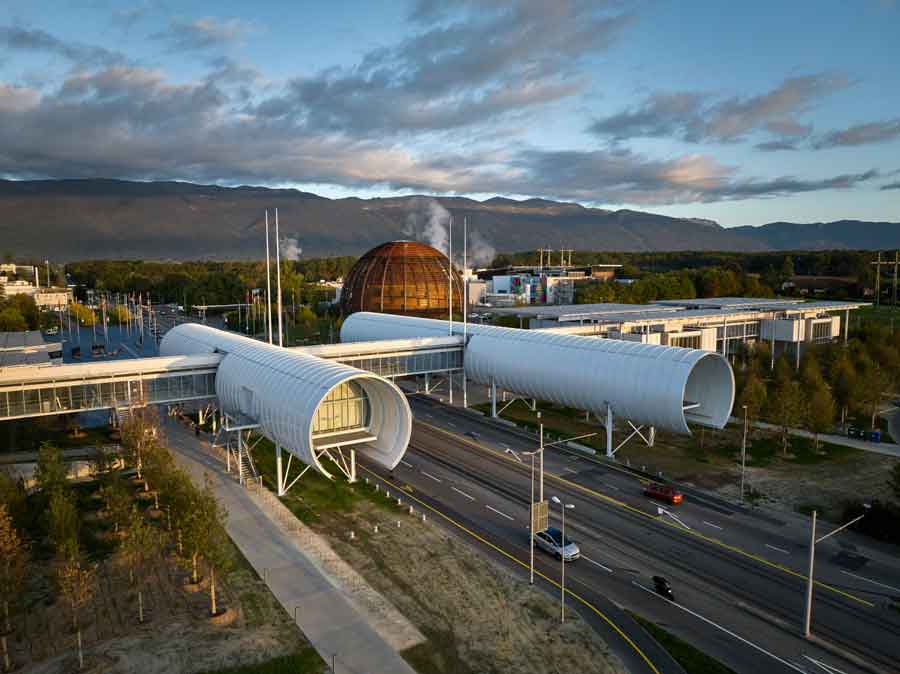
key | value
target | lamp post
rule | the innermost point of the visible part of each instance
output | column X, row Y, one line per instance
column 562, row 558
column 743, row 453
column 541, row 451
column 813, row 541
column 531, row 506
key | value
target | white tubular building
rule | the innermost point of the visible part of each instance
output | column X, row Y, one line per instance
column 658, row 386
column 305, row 404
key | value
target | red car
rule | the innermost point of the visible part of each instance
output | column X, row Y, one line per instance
column 663, row 492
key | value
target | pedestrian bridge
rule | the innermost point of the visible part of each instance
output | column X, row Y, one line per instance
column 44, row 391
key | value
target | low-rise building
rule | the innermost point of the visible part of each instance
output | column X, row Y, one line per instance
column 721, row 324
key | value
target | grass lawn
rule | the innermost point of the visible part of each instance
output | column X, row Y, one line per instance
column 882, row 314
column 303, row 662
column 319, row 494
column 694, row 661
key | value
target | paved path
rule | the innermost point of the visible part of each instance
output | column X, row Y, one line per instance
column 327, row 618
column 886, row 448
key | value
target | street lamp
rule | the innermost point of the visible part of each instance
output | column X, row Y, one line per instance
column 562, row 558
column 807, row 614
column 531, row 504
column 743, row 453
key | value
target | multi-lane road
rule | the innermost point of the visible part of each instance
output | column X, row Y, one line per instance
column 738, row 577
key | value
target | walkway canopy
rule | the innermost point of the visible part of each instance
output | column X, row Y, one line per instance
column 661, row 386
column 303, row 403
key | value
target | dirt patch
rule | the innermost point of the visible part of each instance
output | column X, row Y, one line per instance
column 477, row 616
column 177, row 634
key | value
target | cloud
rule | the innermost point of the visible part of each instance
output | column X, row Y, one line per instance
column 698, row 117
column 469, row 64
column 202, row 34
column 861, row 134
column 891, row 186
column 35, row 40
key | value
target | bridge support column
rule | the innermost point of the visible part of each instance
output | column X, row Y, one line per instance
column 652, row 437
column 427, row 383
column 352, row 465
column 493, row 398
column 609, row 431
column 450, row 384
column 279, row 476
column 465, row 390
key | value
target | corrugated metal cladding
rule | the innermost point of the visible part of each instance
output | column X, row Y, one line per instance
column 283, row 389
column 644, row 383
column 402, row 277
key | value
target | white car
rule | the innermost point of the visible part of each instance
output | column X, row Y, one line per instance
column 550, row 540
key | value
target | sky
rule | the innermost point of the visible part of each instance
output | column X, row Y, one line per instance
column 739, row 112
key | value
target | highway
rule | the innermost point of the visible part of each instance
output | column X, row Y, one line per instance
column 738, row 579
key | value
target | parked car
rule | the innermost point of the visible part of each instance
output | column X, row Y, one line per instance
column 854, row 432
column 663, row 588
column 663, row 492
column 550, row 540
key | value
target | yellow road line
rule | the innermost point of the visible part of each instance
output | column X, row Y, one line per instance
column 653, row 518
column 515, row 559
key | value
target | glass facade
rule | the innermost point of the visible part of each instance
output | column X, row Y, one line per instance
column 74, row 397
column 407, row 364
column 345, row 408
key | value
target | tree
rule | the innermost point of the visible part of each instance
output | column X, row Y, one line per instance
column 117, row 500
column 51, row 474
column 205, row 536
column 13, row 560
column 844, row 386
column 810, row 373
column 64, row 521
column 139, row 433
column 753, row 395
column 787, row 410
column 13, row 496
column 820, row 412
column 76, row 585
column 11, row 320
column 141, row 550
column 83, row 314
column 870, row 389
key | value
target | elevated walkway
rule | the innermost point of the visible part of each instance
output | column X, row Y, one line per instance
column 43, row 391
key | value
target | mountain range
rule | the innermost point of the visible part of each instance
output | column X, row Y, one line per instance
column 66, row 220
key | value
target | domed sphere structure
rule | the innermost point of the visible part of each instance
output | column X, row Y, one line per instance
column 402, row 277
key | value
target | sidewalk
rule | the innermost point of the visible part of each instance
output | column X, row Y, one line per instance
column 332, row 623
column 886, row 448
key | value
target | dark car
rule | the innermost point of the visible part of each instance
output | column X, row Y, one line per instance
column 663, row 492
column 663, row 588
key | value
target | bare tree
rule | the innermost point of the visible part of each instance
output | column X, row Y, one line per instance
column 205, row 536
column 76, row 585
column 13, row 562
column 139, row 433
column 141, row 548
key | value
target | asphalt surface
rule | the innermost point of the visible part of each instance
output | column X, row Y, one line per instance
column 738, row 579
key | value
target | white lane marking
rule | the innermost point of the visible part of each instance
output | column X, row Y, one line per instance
column 471, row 498
column 451, row 424
column 772, row 547
column 431, row 476
column 569, row 470
column 588, row 559
column 831, row 669
column 406, row 463
column 499, row 513
column 611, row 486
column 714, row 526
column 869, row 580
column 723, row 629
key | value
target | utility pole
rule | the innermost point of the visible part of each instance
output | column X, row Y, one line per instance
column 877, row 280
column 896, row 264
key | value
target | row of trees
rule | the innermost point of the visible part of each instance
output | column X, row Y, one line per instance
column 183, row 518
column 208, row 282
column 684, row 284
column 834, row 383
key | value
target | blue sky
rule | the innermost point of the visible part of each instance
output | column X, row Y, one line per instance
column 744, row 113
